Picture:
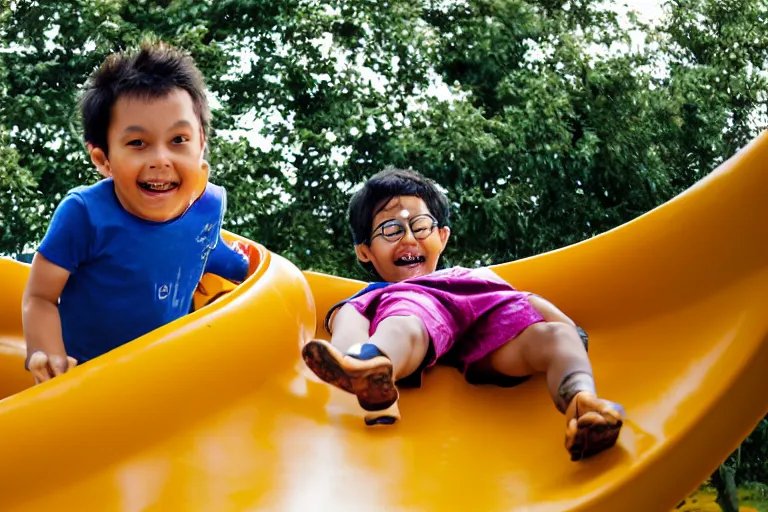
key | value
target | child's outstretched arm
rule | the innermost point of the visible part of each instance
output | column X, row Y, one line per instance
column 231, row 262
column 46, row 355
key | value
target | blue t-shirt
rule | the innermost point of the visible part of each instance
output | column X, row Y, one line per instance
column 129, row 276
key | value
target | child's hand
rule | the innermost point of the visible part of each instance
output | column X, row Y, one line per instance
column 248, row 252
column 242, row 248
column 44, row 367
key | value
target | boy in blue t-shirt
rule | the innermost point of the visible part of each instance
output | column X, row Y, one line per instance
column 124, row 256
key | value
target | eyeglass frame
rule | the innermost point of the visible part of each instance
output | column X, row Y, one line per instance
column 380, row 228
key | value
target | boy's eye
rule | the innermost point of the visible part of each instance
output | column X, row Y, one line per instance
column 180, row 139
column 136, row 143
column 422, row 224
column 392, row 230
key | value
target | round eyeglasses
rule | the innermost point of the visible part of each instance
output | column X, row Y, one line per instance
column 393, row 230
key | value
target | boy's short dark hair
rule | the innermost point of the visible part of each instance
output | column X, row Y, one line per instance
column 152, row 72
column 381, row 188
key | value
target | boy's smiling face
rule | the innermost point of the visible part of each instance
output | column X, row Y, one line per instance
column 408, row 256
column 155, row 155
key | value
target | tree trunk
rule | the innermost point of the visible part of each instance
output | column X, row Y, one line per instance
column 724, row 480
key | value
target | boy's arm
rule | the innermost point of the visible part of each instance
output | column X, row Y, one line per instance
column 41, row 321
column 229, row 262
column 63, row 248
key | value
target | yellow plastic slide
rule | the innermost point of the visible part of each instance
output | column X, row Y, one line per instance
column 216, row 412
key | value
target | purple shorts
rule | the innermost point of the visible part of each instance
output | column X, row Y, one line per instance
column 466, row 314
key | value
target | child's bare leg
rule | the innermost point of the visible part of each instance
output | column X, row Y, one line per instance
column 552, row 314
column 404, row 340
column 349, row 328
column 549, row 311
column 369, row 368
column 555, row 348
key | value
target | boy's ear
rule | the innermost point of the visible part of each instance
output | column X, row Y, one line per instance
column 445, row 233
column 99, row 159
column 206, row 168
column 363, row 253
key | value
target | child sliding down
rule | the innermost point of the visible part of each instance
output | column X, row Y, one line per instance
column 416, row 316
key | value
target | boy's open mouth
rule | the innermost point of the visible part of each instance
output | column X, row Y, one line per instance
column 158, row 186
column 409, row 259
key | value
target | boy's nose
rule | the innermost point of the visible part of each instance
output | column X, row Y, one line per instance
column 408, row 237
column 161, row 159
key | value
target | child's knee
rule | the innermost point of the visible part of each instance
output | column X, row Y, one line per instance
column 556, row 333
column 409, row 328
column 548, row 310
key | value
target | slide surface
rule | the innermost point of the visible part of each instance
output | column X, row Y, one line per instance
column 217, row 412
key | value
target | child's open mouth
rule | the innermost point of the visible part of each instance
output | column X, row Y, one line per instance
column 158, row 187
column 409, row 259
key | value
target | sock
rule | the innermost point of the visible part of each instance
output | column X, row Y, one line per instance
column 572, row 385
column 584, row 337
column 364, row 351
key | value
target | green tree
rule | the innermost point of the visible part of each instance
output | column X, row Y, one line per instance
column 549, row 137
column 15, row 184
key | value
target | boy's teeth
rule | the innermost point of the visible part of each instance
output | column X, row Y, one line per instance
column 408, row 259
column 157, row 186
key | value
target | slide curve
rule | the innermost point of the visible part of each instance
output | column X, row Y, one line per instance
column 216, row 411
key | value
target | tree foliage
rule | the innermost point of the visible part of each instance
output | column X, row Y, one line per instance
column 750, row 461
column 541, row 132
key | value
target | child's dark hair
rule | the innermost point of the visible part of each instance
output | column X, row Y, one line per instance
column 380, row 189
column 152, row 72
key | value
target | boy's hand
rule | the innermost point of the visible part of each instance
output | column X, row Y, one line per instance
column 248, row 252
column 242, row 248
column 44, row 367
column 46, row 354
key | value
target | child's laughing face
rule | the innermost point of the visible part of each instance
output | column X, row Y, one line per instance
column 405, row 240
column 155, row 155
